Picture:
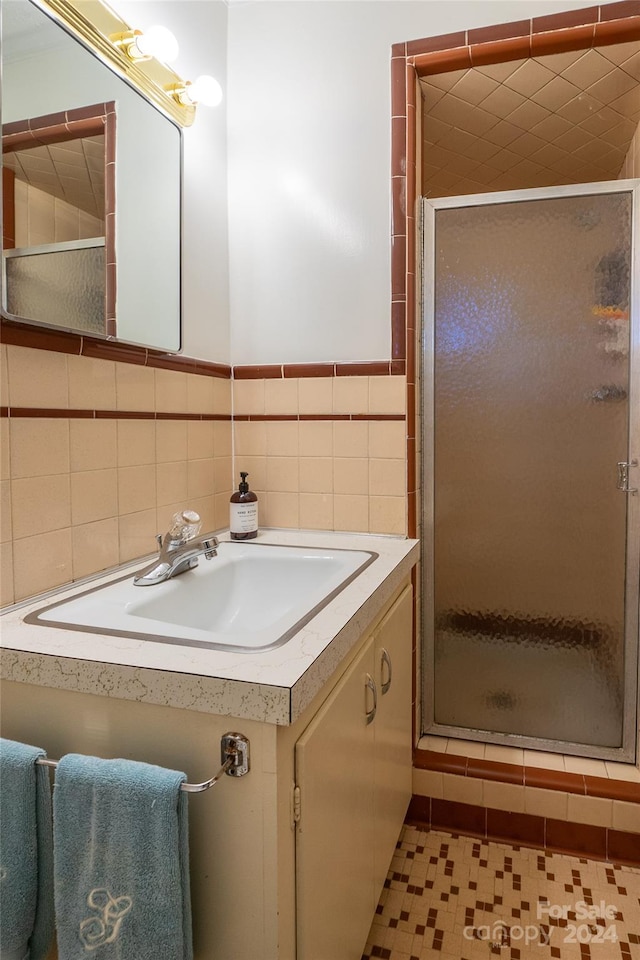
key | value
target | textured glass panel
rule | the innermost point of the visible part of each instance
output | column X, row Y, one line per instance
column 63, row 287
column 531, row 417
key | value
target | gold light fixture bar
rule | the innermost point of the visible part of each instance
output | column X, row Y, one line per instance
column 96, row 25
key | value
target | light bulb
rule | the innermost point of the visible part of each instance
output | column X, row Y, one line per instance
column 204, row 90
column 158, row 42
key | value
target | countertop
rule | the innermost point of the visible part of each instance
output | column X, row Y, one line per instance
column 272, row 686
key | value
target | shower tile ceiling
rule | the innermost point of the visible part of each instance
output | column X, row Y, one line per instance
column 72, row 171
column 564, row 118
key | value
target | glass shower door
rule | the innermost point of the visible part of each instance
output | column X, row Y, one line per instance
column 531, row 441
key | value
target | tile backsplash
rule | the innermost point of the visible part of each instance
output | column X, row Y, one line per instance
column 98, row 454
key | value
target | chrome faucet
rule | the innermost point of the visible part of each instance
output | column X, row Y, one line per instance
column 179, row 550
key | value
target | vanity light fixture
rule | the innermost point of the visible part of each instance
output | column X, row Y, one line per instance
column 155, row 42
column 205, row 90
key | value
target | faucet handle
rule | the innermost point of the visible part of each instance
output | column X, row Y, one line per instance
column 185, row 525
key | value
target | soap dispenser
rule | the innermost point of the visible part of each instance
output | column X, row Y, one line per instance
column 243, row 512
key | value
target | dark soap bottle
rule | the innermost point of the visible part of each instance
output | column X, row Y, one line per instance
column 243, row 512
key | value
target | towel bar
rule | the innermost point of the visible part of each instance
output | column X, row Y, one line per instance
column 234, row 752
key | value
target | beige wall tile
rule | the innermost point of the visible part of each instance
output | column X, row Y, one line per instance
column 41, row 562
column 351, row 513
column 315, row 438
column 136, row 534
column 626, row 816
column 437, row 744
column 282, row 439
column 37, row 378
column 350, row 394
column 6, row 532
column 622, row 771
column 199, row 439
column 221, row 396
column 94, row 547
column 5, row 458
column 465, row 748
column 593, row 810
column 222, row 438
column 503, row 796
column 92, row 444
column 351, row 476
column 136, row 442
column 462, row 789
column 40, row 504
column 315, row 395
column 135, row 387
column 200, row 478
column 94, row 495
column 250, row 440
column 316, row 475
column 4, row 376
column 316, row 511
column 282, row 474
column 280, row 510
column 351, row 438
column 199, row 394
column 539, row 758
column 546, row 803
column 387, row 394
column 171, row 440
column 388, row 439
column 248, row 396
column 387, row 478
column 592, row 768
column 428, row 783
column 92, row 383
column 136, row 489
column 6, row 574
column 495, row 751
column 172, row 483
column 281, row 396
column 387, row 515
column 221, row 510
column 39, row 447
column 171, row 391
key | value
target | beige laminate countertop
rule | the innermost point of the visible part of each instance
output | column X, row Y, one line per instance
column 273, row 686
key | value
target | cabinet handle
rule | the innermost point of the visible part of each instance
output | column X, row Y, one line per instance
column 371, row 685
column 385, row 658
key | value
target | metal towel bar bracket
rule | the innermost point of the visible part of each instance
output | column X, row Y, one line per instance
column 234, row 754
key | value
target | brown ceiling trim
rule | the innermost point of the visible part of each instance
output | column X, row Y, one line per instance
column 54, row 127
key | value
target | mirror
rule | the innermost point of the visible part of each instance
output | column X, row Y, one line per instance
column 91, row 191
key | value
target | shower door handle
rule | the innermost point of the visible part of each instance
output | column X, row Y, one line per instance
column 623, row 475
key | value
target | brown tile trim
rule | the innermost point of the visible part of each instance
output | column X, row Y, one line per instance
column 54, row 127
column 500, row 31
column 60, row 413
column 271, row 417
column 562, row 21
column 8, row 209
column 276, row 371
column 525, row 829
column 610, row 789
column 39, row 338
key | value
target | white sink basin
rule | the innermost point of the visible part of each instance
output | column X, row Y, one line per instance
column 252, row 596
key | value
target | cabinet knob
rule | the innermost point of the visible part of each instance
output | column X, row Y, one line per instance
column 370, row 684
column 385, row 660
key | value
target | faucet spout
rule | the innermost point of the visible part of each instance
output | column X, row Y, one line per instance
column 180, row 549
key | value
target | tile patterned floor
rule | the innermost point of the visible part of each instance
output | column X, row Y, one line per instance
column 457, row 898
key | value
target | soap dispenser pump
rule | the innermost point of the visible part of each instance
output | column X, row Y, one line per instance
column 243, row 512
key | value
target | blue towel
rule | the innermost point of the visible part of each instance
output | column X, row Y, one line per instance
column 121, row 861
column 26, row 854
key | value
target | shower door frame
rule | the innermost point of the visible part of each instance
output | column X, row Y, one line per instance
column 627, row 751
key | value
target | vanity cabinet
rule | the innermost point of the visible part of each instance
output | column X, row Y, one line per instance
column 353, row 786
column 271, row 877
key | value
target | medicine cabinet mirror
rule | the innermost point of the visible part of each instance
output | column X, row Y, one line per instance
column 91, row 188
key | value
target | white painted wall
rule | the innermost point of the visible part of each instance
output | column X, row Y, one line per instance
column 309, row 167
column 200, row 27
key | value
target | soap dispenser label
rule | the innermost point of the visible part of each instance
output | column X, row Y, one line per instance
column 243, row 517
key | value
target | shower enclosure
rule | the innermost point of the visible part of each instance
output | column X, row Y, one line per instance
column 531, row 441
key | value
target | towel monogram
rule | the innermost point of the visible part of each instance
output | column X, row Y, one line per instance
column 104, row 928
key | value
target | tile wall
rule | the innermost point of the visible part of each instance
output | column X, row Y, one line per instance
column 324, row 453
column 43, row 218
column 631, row 166
column 97, row 455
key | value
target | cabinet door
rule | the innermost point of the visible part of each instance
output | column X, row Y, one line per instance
column 393, row 747
column 336, row 899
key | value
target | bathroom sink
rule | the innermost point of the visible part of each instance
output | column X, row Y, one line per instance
column 251, row 596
